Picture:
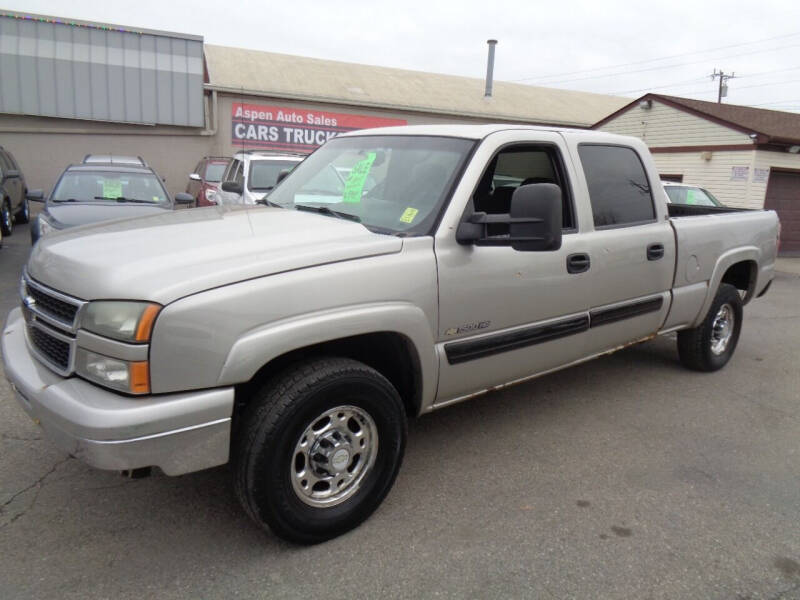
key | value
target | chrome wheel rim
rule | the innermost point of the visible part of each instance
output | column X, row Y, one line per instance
column 7, row 217
column 333, row 455
column 722, row 329
column 26, row 209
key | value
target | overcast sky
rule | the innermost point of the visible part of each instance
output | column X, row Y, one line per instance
column 609, row 46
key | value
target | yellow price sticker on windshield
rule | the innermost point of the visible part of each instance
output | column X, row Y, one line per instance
column 408, row 215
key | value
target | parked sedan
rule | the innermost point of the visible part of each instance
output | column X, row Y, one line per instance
column 204, row 180
column 13, row 193
column 101, row 190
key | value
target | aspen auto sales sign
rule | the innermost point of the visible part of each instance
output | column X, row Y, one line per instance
column 294, row 129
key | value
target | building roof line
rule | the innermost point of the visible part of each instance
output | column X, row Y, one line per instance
column 68, row 21
column 763, row 125
column 427, row 110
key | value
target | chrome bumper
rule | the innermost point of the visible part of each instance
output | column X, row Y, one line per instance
column 179, row 433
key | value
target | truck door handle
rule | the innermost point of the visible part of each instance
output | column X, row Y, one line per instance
column 655, row 251
column 578, row 263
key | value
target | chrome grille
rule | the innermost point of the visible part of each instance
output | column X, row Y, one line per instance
column 52, row 306
column 52, row 321
column 50, row 347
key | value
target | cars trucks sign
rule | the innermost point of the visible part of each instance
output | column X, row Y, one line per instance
column 294, row 129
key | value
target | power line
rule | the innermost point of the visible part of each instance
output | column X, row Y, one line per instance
column 767, row 72
column 774, row 103
column 686, row 82
column 641, row 62
column 745, row 87
column 661, row 87
column 661, row 67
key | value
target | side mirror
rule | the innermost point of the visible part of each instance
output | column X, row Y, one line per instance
column 184, row 198
column 35, row 195
column 195, row 177
column 233, row 187
column 282, row 175
column 534, row 221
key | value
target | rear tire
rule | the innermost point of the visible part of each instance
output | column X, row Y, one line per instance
column 709, row 346
column 319, row 447
column 6, row 218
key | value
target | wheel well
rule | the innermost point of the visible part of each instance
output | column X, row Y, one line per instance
column 389, row 353
column 742, row 276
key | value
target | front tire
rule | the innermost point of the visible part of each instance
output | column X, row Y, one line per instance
column 24, row 213
column 319, row 448
column 709, row 346
column 6, row 218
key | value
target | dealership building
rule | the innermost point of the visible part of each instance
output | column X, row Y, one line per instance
column 70, row 88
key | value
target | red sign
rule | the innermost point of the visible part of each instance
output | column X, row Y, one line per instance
column 294, row 129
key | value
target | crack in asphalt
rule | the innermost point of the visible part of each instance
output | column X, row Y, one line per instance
column 37, row 484
column 16, row 438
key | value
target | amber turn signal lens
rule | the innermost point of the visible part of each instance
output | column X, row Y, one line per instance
column 146, row 321
column 140, row 377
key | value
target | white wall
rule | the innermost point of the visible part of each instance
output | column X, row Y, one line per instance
column 714, row 174
column 663, row 125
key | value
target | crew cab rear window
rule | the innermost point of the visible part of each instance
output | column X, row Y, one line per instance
column 618, row 187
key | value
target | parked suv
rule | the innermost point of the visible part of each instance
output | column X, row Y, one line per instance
column 251, row 175
column 204, row 180
column 102, row 188
column 13, row 193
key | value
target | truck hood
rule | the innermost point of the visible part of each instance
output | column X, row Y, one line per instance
column 164, row 257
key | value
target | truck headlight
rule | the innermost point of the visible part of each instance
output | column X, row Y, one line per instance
column 211, row 195
column 120, row 319
column 122, row 375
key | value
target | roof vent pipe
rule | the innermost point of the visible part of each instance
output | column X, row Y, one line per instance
column 490, row 69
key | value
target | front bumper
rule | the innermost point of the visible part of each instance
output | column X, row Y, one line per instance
column 179, row 433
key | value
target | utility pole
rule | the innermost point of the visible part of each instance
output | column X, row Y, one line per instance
column 723, row 83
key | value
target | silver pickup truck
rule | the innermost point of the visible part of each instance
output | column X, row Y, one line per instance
column 295, row 339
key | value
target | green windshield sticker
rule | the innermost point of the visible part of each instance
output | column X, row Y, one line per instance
column 354, row 186
column 408, row 215
column 112, row 188
column 690, row 199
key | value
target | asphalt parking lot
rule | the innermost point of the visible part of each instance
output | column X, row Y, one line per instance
column 628, row 477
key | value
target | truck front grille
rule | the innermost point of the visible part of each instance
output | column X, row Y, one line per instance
column 52, row 306
column 50, row 347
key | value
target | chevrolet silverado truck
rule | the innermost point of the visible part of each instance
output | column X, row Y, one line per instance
column 295, row 339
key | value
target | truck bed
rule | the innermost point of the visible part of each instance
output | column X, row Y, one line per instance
column 690, row 210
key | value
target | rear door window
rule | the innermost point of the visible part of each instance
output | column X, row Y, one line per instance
column 619, row 190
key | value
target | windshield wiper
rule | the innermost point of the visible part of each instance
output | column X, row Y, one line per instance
column 267, row 202
column 124, row 199
column 324, row 210
column 67, row 200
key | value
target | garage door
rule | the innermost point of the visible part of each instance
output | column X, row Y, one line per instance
column 783, row 196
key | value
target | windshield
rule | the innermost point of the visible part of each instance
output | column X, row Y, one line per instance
column 392, row 184
column 264, row 173
column 691, row 195
column 214, row 171
column 107, row 186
